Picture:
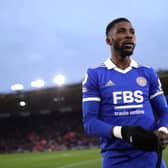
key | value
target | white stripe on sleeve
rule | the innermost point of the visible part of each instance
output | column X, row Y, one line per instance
column 91, row 99
column 156, row 94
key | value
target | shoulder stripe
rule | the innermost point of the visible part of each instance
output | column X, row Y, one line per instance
column 101, row 65
column 98, row 66
column 144, row 66
column 91, row 99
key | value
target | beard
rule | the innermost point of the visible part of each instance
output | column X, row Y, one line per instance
column 122, row 49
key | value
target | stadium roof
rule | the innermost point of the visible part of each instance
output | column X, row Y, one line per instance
column 45, row 101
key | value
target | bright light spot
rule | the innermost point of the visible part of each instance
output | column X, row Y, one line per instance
column 17, row 87
column 22, row 103
column 38, row 83
column 59, row 79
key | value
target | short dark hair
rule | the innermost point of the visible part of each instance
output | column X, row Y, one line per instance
column 113, row 22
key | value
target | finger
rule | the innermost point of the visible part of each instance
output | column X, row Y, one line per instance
column 162, row 135
column 165, row 141
column 163, row 144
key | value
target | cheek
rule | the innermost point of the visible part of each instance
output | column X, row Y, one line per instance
column 119, row 40
column 134, row 39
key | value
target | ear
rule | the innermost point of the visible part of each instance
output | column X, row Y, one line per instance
column 108, row 41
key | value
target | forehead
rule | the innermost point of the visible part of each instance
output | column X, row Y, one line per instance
column 123, row 24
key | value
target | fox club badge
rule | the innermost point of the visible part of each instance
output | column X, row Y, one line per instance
column 141, row 81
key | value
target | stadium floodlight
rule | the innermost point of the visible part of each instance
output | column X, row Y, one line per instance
column 59, row 79
column 17, row 87
column 22, row 103
column 38, row 83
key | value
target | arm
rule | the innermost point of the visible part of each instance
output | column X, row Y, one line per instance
column 158, row 100
column 91, row 107
column 159, row 104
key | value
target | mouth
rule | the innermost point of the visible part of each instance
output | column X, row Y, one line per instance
column 128, row 45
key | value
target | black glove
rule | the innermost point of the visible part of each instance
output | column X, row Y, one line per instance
column 140, row 138
column 163, row 137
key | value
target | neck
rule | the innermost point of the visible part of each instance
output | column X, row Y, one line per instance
column 121, row 62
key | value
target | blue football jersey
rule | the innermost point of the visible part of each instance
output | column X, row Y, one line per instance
column 112, row 97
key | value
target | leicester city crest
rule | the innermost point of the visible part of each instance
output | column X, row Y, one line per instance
column 141, row 81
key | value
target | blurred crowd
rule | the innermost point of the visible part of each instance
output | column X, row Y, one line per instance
column 44, row 133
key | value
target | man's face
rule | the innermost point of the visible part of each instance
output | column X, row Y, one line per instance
column 123, row 38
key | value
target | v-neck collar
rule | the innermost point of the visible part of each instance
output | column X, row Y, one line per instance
column 110, row 65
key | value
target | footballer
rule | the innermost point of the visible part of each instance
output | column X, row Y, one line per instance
column 124, row 104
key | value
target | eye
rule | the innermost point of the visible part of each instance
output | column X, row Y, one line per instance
column 121, row 30
column 132, row 31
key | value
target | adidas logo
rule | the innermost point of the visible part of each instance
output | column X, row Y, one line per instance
column 110, row 83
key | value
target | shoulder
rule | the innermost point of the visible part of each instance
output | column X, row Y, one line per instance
column 146, row 68
column 97, row 69
column 142, row 66
column 148, row 72
column 93, row 73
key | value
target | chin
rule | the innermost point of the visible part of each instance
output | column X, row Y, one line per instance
column 126, row 53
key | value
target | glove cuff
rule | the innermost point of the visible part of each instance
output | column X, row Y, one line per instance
column 117, row 132
column 164, row 129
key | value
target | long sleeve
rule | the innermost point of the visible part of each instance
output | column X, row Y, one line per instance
column 158, row 100
column 160, row 106
column 91, row 107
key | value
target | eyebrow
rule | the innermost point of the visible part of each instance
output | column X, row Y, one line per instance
column 123, row 28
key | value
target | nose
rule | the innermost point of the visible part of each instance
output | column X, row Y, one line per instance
column 129, row 35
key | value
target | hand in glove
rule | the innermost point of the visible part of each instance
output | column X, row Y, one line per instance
column 163, row 137
column 139, row 137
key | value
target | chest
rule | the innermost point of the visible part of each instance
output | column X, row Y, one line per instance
column 124, row 88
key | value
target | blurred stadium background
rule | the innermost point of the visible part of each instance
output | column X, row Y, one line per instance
column 43, row 128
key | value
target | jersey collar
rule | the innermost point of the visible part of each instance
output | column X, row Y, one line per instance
column 110, row 65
